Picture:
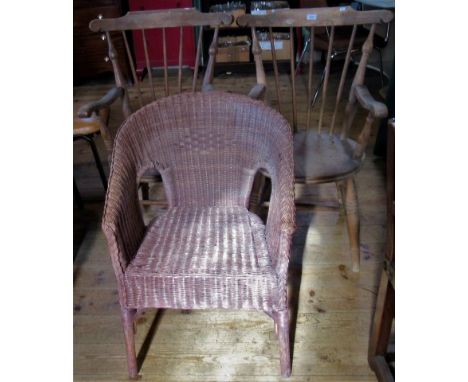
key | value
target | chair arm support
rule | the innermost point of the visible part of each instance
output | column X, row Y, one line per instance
column 86, row 110
column 207, row 88
column 257, row 92
column 365, row 99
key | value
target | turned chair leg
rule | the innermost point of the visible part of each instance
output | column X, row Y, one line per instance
column 282, row 330
column 340, row 188
column 350, row 202
column 128, row 316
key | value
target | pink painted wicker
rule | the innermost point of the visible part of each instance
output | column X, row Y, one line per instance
column 207, row 250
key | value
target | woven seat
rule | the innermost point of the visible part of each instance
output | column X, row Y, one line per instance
column 207, row 250
column 220, row 251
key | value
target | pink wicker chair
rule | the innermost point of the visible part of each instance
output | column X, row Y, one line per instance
column 207, row 251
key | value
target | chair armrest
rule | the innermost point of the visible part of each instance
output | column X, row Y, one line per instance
column 86, row 110
column 257, row 92
column 365, row 99
column 122, row 221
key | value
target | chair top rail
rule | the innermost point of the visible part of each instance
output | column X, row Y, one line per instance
column 160, row 19
column 315, row 17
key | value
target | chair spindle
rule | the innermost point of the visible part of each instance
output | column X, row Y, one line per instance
column 327, row 75
column 132, row 68
column 293, row 81
column 257, row 52
column 197, row 59
column 181, row 57
column 363, row 138
column 275, row 66
column 366, row 51
column 350, row 111
column 166, row 82
column 311, row 71
column 148, row 65
column 119, row 79
column 343, row 77
column 209, row 73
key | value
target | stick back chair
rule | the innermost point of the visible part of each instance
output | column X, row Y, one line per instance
column 326, row 154
column 144, row 24
column 207, row 250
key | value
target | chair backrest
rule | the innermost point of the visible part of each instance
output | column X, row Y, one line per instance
column 334, row 18
column 207, row 146
column 145, row 24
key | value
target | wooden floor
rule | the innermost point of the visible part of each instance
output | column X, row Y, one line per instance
column 335, row 305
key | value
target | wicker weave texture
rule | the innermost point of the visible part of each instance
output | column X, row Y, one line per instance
column 208, row 256
column 207, row 250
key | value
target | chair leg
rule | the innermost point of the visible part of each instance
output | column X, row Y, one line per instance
column 350, row 200
column 282, row 330
column 77, row 195
column 97, row 159
column 340, row 187
column 128, row 316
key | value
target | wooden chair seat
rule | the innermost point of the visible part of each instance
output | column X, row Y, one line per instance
column 320, row 158
column 90, row 125
column 85, row 126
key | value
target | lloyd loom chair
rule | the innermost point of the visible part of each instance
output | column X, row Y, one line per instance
column 322, row 156
column 207, row 250
column 154, row 24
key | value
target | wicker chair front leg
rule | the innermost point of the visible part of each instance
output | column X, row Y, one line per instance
column 282, row 331
column 128, row 316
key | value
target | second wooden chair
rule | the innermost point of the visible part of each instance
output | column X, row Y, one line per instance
column 327, row 153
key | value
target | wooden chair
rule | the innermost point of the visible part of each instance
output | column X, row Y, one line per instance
column 143, row 23
column 326, row 154
column 208, row 250
column 385, row 304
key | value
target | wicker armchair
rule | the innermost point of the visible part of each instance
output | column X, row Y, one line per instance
column 207, row 251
